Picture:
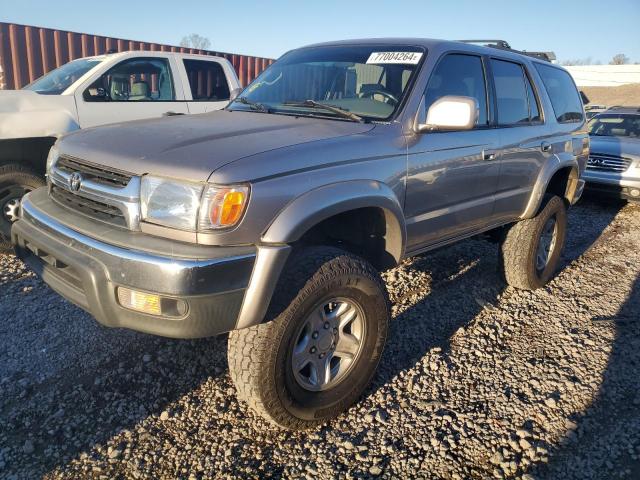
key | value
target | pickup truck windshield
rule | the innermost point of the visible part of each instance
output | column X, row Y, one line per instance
column 617, row 125
column 368, row 81
column 57, row 81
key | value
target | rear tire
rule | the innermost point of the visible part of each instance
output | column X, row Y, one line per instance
column 531, row 249
column 273, row 364
column 15, row 181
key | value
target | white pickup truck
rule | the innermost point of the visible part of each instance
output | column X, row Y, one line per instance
column 95, row 91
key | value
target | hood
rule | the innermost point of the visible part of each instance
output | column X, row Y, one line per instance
column 193, row 146
column 24, row 113
column 618, row 146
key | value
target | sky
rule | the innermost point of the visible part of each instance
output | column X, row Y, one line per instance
column 574, row 29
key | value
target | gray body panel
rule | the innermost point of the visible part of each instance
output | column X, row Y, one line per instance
column 433, row 188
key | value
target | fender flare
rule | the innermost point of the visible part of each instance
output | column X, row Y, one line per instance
column 556, row 162
column 319, row 204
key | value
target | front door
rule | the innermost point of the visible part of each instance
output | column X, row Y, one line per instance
column 134, row 89
column 452, row 176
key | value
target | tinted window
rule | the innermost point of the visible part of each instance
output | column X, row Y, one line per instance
column 564, row 96
column 136, row 80
column 534, row 109
column 458, row 74
column 207, row 81
column 511, row 93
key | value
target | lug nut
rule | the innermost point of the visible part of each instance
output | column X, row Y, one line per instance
column 326, row 325
column 314, row 335
column 321, row 355
column 314, row 349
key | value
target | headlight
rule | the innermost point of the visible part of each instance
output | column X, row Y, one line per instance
column 170, row 203
column 52, row 157
column 191, row 206
column 222, row 207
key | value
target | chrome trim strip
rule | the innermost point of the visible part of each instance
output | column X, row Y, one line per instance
column 125, row 199
column 29, row 211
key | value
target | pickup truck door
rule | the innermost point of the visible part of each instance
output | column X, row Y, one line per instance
column 207, row 87
column 133, row 89
column 452, row 176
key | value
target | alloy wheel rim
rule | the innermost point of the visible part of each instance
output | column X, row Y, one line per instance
column 10, row 205
column 328, row 344
column 546, row 244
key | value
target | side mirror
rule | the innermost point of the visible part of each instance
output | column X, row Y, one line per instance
column 450, row 112
column 234, row 94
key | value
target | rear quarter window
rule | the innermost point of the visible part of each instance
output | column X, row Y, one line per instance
column 565, row 100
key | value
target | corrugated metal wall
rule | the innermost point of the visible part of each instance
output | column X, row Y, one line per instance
column 27, row 52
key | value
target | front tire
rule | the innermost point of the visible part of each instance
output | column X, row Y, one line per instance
column 531, row 249
column 319, row 352
column 15, row 181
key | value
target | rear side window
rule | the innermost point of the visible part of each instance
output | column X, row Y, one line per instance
column 459, row 74
column 564, row 96
column 511, row 93
column 207, row 81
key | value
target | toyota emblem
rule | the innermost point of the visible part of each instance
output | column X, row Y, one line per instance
column 75, row 180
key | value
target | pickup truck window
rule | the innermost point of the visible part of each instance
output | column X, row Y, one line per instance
column 207, row 80
column 135, row 80
column 511, row 92
column 459, row 74
column 57, row 81
column 563, row 94
column 369, row 81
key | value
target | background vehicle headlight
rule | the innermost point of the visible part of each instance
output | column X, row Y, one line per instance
column 222, row 207
column 170, row 203
column 52, row 158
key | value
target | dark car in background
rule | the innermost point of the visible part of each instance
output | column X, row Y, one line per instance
column 614, row 162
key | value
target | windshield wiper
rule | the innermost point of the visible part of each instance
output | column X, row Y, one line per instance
column 331, row 108
column 254, row 105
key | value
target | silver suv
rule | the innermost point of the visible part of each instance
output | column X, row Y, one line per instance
column 272, row 218
column 614, row 163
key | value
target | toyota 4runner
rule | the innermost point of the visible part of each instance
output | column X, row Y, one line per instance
column 272, row 218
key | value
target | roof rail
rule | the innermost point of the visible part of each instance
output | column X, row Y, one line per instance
column 504, row 45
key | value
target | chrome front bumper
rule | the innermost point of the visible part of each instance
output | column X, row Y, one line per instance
column 211, row 280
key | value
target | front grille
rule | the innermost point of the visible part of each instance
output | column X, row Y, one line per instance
column 608, row 163
column 93, row 172
column 90, row 208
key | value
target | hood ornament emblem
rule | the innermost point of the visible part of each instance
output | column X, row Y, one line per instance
column 75, row 180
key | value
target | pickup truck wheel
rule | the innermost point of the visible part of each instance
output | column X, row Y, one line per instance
column 531, row 249
column 15, row 181
column 318, row 354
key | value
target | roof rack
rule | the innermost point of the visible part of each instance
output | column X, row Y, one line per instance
column 504, row 45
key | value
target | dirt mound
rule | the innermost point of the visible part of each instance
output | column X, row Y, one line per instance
column 627, row 95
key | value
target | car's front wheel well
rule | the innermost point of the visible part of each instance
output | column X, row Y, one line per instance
column 28, row 152
column 363, row 232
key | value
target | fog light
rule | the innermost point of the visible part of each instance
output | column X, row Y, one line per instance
column 139, row 301
column 635, row 192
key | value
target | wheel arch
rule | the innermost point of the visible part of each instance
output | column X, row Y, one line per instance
column 30, row 152
column 343, row 202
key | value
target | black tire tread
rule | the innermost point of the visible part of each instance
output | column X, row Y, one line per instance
column 250, row 350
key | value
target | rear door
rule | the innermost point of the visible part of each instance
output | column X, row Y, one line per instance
column 207, row 86
column 133, row 89
column 523, row 135
column 452, row 176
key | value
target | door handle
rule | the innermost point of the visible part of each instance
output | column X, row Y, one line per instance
column 489, row 154
column 171, row 113
column 545, row 147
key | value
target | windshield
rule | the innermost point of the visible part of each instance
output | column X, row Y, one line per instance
column 369, row 82
column 615, row 125
column 57, row 81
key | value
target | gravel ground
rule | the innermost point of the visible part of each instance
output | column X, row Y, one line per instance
column 478, row 380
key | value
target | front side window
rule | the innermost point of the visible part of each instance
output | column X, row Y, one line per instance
column 136, row 80
column 511, row 93
column 615, row 125
column 563, row 94
column 367, row 81
column 207, row 81
column 57, row 81
column 460, row 75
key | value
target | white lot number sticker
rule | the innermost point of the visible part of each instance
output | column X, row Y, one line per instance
column 411, row 58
